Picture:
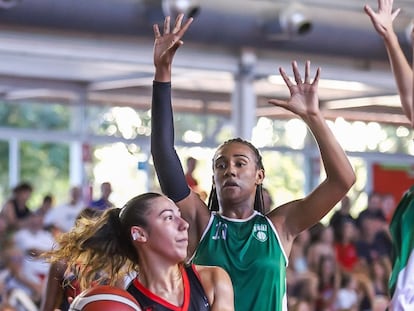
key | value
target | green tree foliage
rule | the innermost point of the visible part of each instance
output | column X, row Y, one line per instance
column 44, row 165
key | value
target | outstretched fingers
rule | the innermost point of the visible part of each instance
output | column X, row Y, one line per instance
column 178, row 22
column 166, row 25
column 317, row 76
column 285, row 77
column 156, row 29
column 185, row 26
column 178, row 29
column 296, row 73
column 395, row 14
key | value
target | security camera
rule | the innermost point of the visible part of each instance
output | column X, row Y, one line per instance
column 294, row 21
column 8, row 4
column 190, row 8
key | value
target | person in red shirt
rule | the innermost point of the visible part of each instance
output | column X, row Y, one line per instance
column 345, row 250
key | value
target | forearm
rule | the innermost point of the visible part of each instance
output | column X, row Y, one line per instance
column 166, row 161
column 402, row 72
column 340, row 174
column 162, row 73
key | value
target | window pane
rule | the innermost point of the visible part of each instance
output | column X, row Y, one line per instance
column 33, row 115
column 46, row 167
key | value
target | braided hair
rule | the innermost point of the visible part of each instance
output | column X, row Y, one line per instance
column 213, row 204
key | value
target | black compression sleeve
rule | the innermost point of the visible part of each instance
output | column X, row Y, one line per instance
column 166, row 161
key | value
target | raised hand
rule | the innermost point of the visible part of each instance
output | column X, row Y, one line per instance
column 383, row 19
column 167, row 43
column 303, row 99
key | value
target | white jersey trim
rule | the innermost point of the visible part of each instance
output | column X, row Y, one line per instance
column 80, row 302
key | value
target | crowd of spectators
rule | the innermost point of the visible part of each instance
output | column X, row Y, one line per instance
column 25, row 233
column 345, row 264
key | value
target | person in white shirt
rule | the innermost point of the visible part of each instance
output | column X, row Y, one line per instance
column 63, row 216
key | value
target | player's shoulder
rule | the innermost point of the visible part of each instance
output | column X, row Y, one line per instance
column 211, row 272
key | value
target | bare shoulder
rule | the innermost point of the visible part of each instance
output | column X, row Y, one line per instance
column 217, row 286
column 212, row 273
column 214, row 278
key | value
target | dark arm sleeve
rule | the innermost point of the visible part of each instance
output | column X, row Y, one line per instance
column 166, row 161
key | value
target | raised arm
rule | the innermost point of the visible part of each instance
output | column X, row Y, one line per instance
column 292, row 218
column 166, row 161
column 382, row 20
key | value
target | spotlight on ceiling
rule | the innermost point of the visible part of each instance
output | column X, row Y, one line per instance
column 294, row 20
column 291, row 21
column 408, row 32
column 8, row 4
column 190, row 8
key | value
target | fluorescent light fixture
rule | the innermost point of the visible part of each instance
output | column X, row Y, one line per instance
column 388, row 101
column 328, row 84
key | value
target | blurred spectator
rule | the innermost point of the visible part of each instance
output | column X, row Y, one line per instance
column 16, row 209
column 374, row 241
column 380, row 270
column 347, row 297
column 365, row 291
column 329, row 278
column 321, row 244
column 373, row 210
column 32, row 241
column 307, row 293
column 345, row 247
column 4, row 238
column 47, row 204
column 341, row 215
column 103, row 202
column 21, row 292
column 388, row 206
column 63, row 216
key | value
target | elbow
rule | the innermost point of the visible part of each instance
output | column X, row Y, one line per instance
column 344, row 183
column 347, row 182
column 351, row 180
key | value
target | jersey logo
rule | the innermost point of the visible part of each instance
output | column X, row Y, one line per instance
column 260, row 232
column 221, row 231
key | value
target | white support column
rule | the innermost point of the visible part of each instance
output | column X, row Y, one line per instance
column 244, row 97
column 14, row 162
column 78, row 174
column 313, row 165
column 75, row 163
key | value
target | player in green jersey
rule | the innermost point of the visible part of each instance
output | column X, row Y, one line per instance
column 232, row 232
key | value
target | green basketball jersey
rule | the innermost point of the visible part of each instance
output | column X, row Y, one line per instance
column 250, row 251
